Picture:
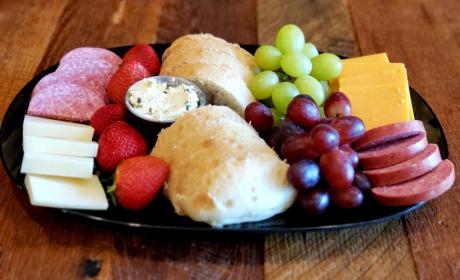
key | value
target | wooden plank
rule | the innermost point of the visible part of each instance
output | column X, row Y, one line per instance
column 23, row 42
column 424, row 35
column 39, row 243
column 107, row 23
column 234, row 21
column 326, row 23
column 368, row 252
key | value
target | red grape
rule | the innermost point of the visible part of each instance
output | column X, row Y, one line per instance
column 362, row 182
column 350, row 129
column 286, row 122
column 303, row 112
column 347, row 198
column 351, row 154
column 259, row 116
column 282, row 134
column 325, row 121
column 337, row 169
column 303, row 174
column 324, row 138
column 314, row 202
column 305, row 96
column 337, row 105
column 298, row 147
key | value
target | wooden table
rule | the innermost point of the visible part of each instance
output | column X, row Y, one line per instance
column 423, row 34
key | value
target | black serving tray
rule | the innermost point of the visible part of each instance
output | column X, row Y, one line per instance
column 160, row 214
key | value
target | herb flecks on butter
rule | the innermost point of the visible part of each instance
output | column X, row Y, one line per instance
column 161, row 102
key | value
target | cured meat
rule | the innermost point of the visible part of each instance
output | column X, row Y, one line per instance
column 422, row 163
column 423, row 188
column 88, row 53
column 96, row 72
column 388, row 155
column 387, row 134
column 59, row 78
column 69, row 102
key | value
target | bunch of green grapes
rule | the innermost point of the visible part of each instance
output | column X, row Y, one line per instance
column 292, row 67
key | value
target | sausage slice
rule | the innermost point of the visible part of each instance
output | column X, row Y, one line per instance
column 423, row 188
column 422, row 163
column 392, row 154
column 387, row 134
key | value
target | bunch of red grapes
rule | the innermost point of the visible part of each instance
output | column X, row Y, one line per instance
column 322, row 162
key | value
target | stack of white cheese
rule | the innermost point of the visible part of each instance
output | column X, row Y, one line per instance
column 58, row 163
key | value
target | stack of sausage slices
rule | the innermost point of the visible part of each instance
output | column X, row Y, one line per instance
column 403, row 167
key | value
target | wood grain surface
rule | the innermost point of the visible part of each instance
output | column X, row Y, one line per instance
column 38, row 243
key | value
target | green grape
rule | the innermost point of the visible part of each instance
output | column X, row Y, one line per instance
column 268, row 102
column 325, row 85
column 282, row 95
column 262, row 84
column 295, row 64
column 278, row 117
column 290, row 38
column 308, row 85
column 283, row 77
column 268, row 57
column 310, row 50
column 321, row 113
column 326, row 66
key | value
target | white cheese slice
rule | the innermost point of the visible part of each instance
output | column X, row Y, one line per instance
column 34, row 126
column 70, row 193
column 59, row 146
column 57, row 165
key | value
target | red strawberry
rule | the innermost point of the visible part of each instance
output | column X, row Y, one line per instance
column 146, row 55
column 107, row 115
column 118, row 142
column 125, row 76
column 138, row 180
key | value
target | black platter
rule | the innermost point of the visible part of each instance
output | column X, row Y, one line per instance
column 160, row 214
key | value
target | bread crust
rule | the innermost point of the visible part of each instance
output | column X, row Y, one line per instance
column 222, row 172
column 222, row 69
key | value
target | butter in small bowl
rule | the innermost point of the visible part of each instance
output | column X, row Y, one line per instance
column 162, row 99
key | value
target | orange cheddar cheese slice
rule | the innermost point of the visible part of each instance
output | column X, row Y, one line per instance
column 368, row 68
column 372, row 58
column 378, row 105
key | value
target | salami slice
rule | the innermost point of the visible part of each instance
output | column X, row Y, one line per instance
column 88, row 53
column 60, row 78
column 69, row 102
column 96, row 72
column 423, row 188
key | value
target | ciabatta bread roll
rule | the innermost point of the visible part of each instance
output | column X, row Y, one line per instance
column 222, row 69
column 222, row 172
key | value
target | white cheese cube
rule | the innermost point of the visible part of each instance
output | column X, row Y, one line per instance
column 34, row 126
column 70, row 193
column 57, row 165
column 59, row 146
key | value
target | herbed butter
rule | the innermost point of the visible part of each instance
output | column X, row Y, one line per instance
column 159, row 101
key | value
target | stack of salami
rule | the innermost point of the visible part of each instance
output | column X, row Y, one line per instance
column 403, row 167
column 77, row 88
